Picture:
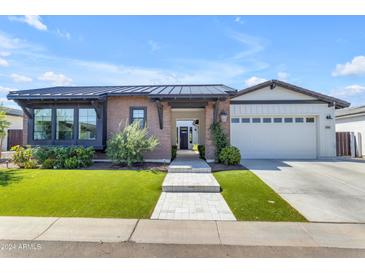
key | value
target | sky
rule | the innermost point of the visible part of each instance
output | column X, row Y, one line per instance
column 322, row 53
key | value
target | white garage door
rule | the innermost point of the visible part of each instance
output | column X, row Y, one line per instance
column 284, row 137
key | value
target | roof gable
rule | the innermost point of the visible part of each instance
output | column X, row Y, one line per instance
column 269, row 89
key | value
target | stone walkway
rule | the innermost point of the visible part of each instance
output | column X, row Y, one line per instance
column 190, row 192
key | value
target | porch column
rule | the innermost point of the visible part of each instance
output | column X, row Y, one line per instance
column 209, row 118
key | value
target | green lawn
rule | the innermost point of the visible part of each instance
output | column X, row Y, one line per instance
column 251, row 199
column 79, row 193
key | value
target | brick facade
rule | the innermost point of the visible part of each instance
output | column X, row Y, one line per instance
column 209, row 117
column 118, row 110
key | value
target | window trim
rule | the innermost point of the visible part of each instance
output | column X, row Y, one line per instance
column 267, row 122
column 235, row 119
column 247, row 121
column 257, row 122
column 34, row 124
column 288, row 122
column 131, row 109
column 73, row 125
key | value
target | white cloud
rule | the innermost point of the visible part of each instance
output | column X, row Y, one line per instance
column 239, row 20
column 56, row 79
column 283, row 76
column 252, row 81
column 3, row 62
column 351, row 90
column 253, row 44
column 63, row 34
column 4, row 53
column 355, row 67
column 34, row 21
column 5, row 89
column 154, row 45
column 20, row 78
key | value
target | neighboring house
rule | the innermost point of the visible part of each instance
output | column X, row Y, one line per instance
column 270, row 120
column 15, row 117
column 277, row 120
column 352, row 120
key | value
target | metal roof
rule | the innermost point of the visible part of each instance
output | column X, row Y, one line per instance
column 325, row 98
column 350, row 111
column 156, row 91
column 12, row 111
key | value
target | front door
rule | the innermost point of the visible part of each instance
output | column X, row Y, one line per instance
column 184, row 137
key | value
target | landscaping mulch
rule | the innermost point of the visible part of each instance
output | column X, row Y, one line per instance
column 221, row 167
column 142, row 166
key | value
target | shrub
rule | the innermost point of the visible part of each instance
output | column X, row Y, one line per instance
column 23, row 157
column 173, row 152
column 128, row 146
column 220, row 139
column 64, row 157
column 195, row 147
column 201, row 149
column 230, row 156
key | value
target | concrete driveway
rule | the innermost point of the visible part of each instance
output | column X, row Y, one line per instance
column 321, row 190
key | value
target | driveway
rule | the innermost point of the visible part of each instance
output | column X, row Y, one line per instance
column 321, row 190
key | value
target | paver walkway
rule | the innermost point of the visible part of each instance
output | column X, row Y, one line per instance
column 190, row 192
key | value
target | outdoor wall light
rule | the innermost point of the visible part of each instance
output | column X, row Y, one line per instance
column 223, row 116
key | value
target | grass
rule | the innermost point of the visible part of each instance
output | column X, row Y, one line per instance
column 79, row 193
column 250, row 199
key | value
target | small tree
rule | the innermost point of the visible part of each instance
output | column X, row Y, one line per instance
column 220, row 139
column 128, row 146
column 4, row 125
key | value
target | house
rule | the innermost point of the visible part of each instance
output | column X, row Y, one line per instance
column 271, row 120
column 352, row 120
column 277, row 120
column 15, row 117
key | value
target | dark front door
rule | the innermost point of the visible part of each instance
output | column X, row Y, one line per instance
column 184, row 137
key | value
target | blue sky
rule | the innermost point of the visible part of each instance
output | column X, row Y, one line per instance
column 326, row 54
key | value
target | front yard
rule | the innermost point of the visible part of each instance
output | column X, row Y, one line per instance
column 250, row 199
column 79, row 193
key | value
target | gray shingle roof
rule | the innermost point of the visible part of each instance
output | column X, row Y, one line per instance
column 350, row 111
column 12, row 111
column 156, row 91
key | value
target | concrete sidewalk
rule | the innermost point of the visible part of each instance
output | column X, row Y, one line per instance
column 183, row 232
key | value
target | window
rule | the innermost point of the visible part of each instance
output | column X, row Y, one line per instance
column 235, row 120
column 266, row 120
column 309, row 119
column 256, row 120
column 278, row 120
column 42, row 124
column 288, row 120
column 139, row 114
column 299, row 120
column 87, row 124
column 64, row 124
column 245, row 120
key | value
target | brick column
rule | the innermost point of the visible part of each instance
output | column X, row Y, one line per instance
column 209, row 146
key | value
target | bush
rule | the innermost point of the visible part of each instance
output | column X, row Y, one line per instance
column 173, row 152
column 23, row 157
column 201, row 149
column 64, row 157
column 220, row 139
column 230, row 156
column 128, row 146
column 195, row 147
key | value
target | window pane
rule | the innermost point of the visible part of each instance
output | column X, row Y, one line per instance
column 256, row 120
column 65, row 124
column 299, row 120
column 278, row 120
column 310, row 120
column 42, row 124
column 245, row 120
column 235, row 120
column 139, row 115
column 266, row 120
column 288, row 120
column 87, row 124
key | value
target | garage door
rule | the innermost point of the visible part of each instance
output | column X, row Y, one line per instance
column 284, row 137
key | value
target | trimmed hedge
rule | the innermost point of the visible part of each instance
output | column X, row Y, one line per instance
column 173, row 152
column 230, row 156
column 52, row 157
column 201, row 149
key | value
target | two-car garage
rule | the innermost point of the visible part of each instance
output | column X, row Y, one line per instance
column 276, row 120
